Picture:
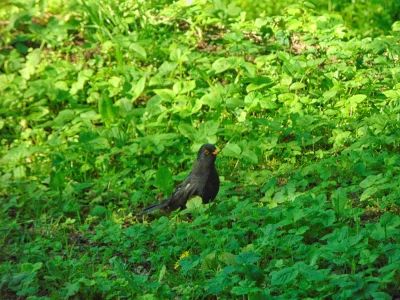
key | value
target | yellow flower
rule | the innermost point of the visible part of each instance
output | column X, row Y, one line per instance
column 183, row 255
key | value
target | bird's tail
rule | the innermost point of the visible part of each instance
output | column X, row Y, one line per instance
column 154, row 207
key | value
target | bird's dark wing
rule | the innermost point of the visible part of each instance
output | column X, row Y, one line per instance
column 183, row 193
column 179, row 197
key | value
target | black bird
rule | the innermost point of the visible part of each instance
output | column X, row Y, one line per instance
column 202, row 181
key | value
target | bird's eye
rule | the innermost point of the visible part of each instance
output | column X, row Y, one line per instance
column 206, row 152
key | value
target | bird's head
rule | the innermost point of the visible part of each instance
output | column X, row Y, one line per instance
column 207, row 152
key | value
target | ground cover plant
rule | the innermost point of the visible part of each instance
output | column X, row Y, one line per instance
column 104, row 105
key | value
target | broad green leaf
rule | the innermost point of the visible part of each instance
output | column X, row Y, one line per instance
column 125, row 105
column 304, row 121
column 370, row 180
column 15, row 154
column 183, row 87
column 83, row 77
column 368, row 193
column 115, row 81
column 227, row 258
column 87, row 282
column 208, row 263
column 390, row 220
column 359, row 169
column 234, row 102
column 284, row 56
column 213, row 100
column 32, row 60
column 250, row 156
column 250, row 68
column 166, row 95
column 98, row 143
column 167, row 67
column 284, row 276
column 57, row 179
column 106, row 110
column 71, row 289
column 339, row 199
column 232, row 150
column 297, row 86
column 195, row 206
column 209, row 128
column 396, row 26
column 329, row 94
column 19, row 172
column 138, row 88
column 356, row 99
column 234, row 36
column 164, row 180
column 187, row 130
column 138, row 49
column 162, row 273
column 377, row 231
column 221, row 64
column 247, row 258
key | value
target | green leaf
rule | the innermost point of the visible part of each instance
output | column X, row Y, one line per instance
column 227, row 258
column 187, row 130
column 329, row 94
column 370, row 180
column 250, row 68
column 284, row 276
column 368, row 193
column 106, row 110
column 221, row 64
column 162, row 273
column 208, row 263
column 297, row 86
column 250, row 156
column 138, row 49
column 377, row 232
column 139, row 88
column 164, row 180
column 339, row 199
column 213, row 100
column 396, row 26
column 71, row 289
column 183, row 87
column 232, row 150
column 57, row 179
column 390, row 220
column 234, row 36
column 32, row 60
column 210, row 127
column 356, row 99
column 195, row 206
column 247, row 258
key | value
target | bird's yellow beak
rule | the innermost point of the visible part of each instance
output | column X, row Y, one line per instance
column 216, row 151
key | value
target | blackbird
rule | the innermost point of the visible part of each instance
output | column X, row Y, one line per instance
column 202, row 181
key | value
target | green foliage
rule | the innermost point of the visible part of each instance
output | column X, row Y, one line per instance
column 104, row 106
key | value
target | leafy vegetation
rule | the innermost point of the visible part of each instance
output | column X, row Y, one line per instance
column 104, row 106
